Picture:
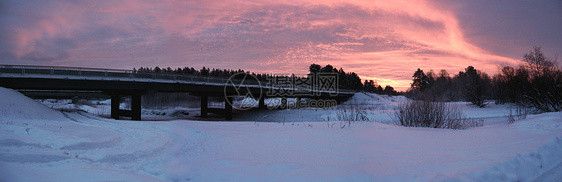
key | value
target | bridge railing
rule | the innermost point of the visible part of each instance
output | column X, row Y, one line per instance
column 118, row 73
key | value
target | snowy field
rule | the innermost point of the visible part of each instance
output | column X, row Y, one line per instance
column 38, row 143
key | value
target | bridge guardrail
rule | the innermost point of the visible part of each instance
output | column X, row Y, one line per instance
column 100, row 72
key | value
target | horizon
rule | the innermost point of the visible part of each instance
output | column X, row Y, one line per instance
column 381, row 41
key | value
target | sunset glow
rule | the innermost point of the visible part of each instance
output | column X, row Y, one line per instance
column 381, row 40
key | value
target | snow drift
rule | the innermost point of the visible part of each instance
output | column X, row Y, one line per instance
column 78, row 146
column 16, row 106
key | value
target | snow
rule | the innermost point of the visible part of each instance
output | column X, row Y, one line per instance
column 38, row 143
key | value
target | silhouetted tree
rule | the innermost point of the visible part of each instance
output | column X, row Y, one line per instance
column 420, row 81
column 370, row 86
column 389, row 90
column 204, row 71
column 431, row 76
column 538, row 64
column 475, row 85
column 440, row 87
column 314, row 68
column 537, row 83
column 510, row 84
column 342, row 78
column 545, row 89
column 328, row 69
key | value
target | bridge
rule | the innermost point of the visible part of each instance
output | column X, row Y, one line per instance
column 116, row 83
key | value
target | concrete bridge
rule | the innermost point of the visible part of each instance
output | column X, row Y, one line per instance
column 72, row 81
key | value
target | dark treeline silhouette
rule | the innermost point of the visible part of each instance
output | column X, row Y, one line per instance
column 346, row 80
column 536, row 83
column 469, row 85
column 351, row 81
column 373, row 87
column 218, row 73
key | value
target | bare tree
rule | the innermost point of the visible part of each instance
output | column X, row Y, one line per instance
column 538, row 64
column 545, row 89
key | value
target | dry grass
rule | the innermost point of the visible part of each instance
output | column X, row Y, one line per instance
column 518, row 112
column 352, row 113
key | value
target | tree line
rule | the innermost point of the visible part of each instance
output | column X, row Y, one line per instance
column 351, row 81
column 217, row 73
column 346, row 80
column 536, row 83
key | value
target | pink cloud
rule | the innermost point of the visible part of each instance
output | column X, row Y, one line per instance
column 381, row 40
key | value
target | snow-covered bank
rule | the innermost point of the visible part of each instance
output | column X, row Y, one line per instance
column 38, row 144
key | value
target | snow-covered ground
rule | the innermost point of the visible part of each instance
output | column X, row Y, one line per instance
column 38, row 143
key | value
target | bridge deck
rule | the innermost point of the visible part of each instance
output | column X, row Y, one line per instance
column 118, row 83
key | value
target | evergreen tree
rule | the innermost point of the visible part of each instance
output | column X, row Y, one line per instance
column 379, row 90
column 314, row 68
column 420, row 81
column 328, row 69
column 204, row 71
column 389, row 90
column 475, row 85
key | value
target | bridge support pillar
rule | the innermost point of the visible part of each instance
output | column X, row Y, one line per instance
column 262, row 103
column 204, row 105
column 284, row 103
column 136, row 107
column 134, row 113
column 298, row 103
column 115, row 100
column 228, row 108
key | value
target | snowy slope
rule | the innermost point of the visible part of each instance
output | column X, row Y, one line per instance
column 39, row 144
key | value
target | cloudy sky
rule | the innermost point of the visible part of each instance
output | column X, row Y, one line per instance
column 381, row 40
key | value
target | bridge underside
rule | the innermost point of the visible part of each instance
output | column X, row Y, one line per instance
column 227, row 111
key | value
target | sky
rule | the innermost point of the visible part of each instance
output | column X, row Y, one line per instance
column 385, row 41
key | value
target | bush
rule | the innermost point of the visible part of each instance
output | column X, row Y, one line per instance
column 518, row 112
column 352, row 113
column 432, row 114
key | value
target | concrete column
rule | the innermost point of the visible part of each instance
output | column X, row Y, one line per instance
column 136, row 107
column 228, row 108
column 115, row 100
column 204, row 105
column 262, row 103
column 298, row 103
